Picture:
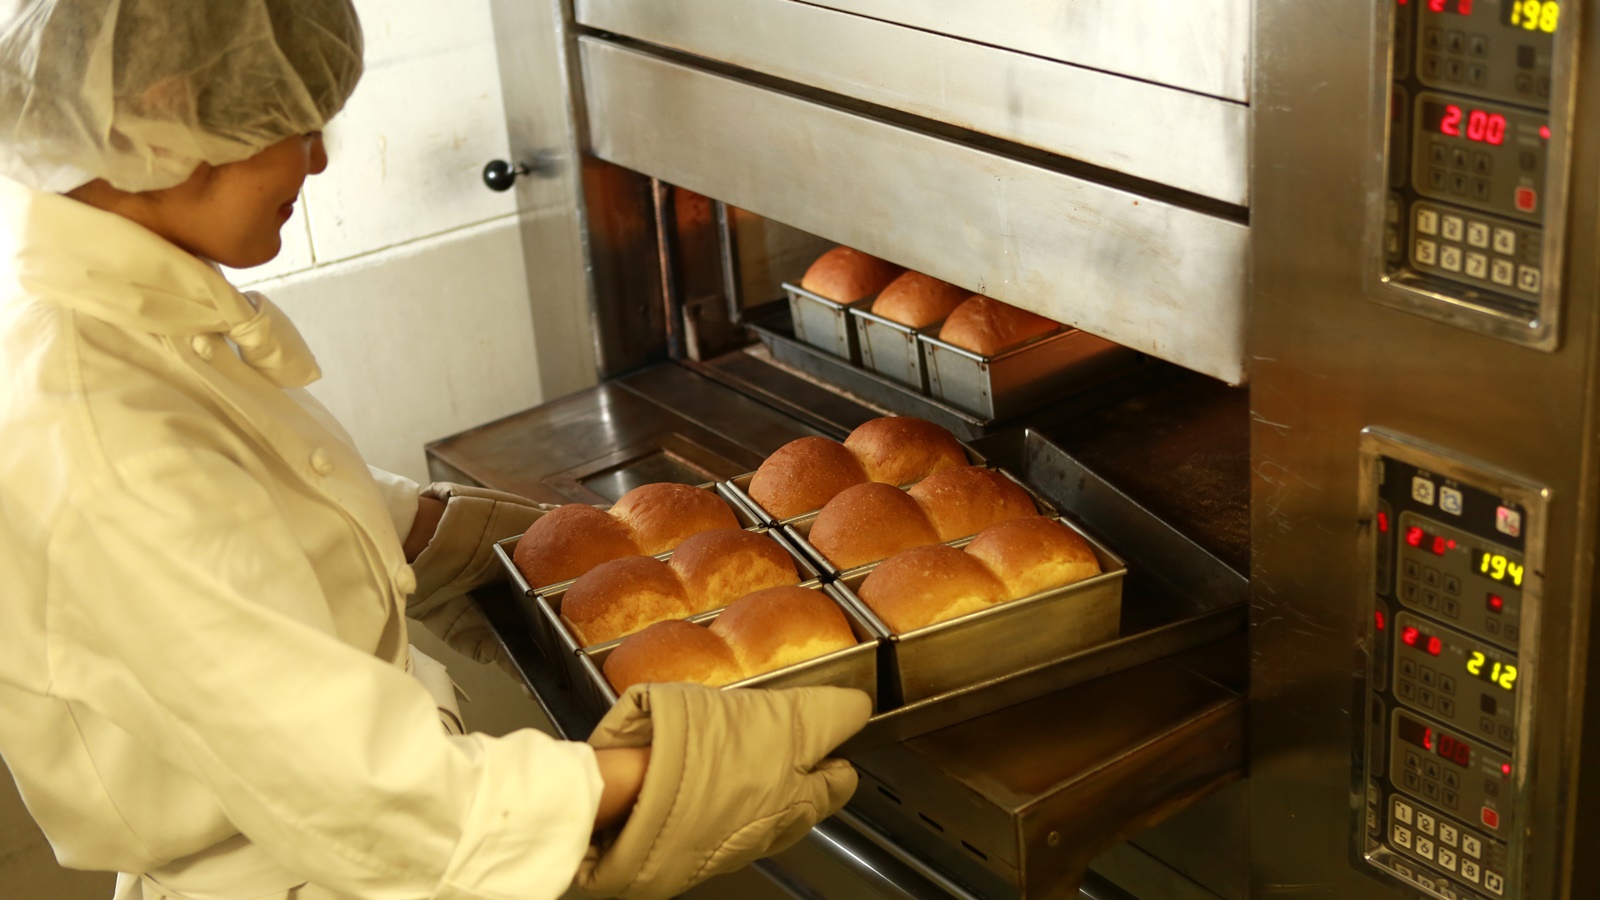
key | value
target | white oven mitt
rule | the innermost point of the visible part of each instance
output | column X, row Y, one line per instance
column 734, row 775
column 460, row 558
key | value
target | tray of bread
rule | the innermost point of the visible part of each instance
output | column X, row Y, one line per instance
column 800, row 477
column 820, row 304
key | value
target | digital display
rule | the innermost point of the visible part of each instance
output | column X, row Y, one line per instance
column 1423, row 540
column 1459, row 7
column 1497, row 566
column 1531, row 15
column 1502, row 675
column 1431, row 644
column 1414, row 732
column 1448, row 746
column 1455, row 120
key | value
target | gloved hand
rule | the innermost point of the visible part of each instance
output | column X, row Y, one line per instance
column 734, row 775
column 460, row 558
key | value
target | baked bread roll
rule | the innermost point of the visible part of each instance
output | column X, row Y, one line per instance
column 804, row 474
column 965, row 501
column 707, row 571
column 782, row 626
column 869, row 522
column 671, row 651
column 901, row 449
column 1033, row 555
column 845, row 275
column 650, row 519
column 924, row 585
column 917, row 300
column 988, row 327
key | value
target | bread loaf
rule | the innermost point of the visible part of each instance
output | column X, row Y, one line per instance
column 867, row 523
column 917, row 300
column 845, row 275
column 653, row 518
column 988, row 327
column 902, row 449
column 782, row 626
column 1008, row 561
column 805, row 474
column 756, row 634
column 707, row 571
column 964, row 501
column 671, row 651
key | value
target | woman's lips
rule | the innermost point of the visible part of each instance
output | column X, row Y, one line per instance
column 286, row 210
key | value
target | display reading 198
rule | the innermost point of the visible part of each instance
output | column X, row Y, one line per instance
column 1497, row 566
column 1532, row 15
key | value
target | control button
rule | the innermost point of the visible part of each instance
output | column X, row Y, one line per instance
column 1431, row 576
column 1430, row 769
column 1529, row 161
column 1430, row 68
column 1429, row 676
column 1506, row 734
column 1422, row 488
column 1471, row 846
column 1505, row 241
column 1494, row 882
column 1436, row 179
column 1527, row 276
column 1482, row 164
column 1450, row 499
column 1447, row 859
column 1452, row 609
column 1478, row 234
column 1491, row 818
column 1458, row 160
column 1527, row 199
column 1506, row 520
column 1453, row 228
column 1430, row 599
column 1413, row 782
column 1451, row 780
column 1402, row 811
column 1541, row 86
column 1411, row 568
column 1469, row 870
column 1509, row 632
column 1492, row 626
column 1448, row 835
column 1447, row 685
column 1482, row 189
column 1427, row 254
column 1455, row 42
column 1408, row 691
column 1451, row 800
column 1478, row 46
column 1427, row 219
column 1424, row 848
column 1477, row 76
column 1430, row 789
column 1425, row 823
column 1503, row 272
column 1425, row 697
column 1477, row 267
column 1439, row 154
column 1460, row 184
column 1408, row 669
column 1414, row 763
column 1524, row 83
column 1401, row 836
column 1450, row 260
column 1408, row 592
column 1452, row 584
column 1486, row 725
column 1432, row 38
column 1491, row 787
column 1455, row 70
column 1447, row 708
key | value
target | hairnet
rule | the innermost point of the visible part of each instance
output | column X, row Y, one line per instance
column 140, row 92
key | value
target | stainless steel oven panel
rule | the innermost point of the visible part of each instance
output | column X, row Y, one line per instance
column 1147, row 274
column 1202, row 47
column 1193, row 141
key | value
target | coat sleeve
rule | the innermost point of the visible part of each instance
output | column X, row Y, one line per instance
column 183, row 609
column 399, row 497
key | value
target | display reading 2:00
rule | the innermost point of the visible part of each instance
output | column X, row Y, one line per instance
column 1533, row 15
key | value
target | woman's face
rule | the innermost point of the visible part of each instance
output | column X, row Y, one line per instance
column 232, row 213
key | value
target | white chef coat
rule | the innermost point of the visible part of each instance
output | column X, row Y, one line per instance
column 202, row 629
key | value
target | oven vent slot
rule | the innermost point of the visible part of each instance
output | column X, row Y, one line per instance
column 975, row 851
column 936, row 826
column 887, row 793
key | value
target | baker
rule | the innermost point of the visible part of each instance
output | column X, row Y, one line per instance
column 205, row 679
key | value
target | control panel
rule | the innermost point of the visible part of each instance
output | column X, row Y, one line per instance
column 1453, row 552
column 1475, row 173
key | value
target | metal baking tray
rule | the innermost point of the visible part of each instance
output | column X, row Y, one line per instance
column 1023, row 378
column 739, row 489
column 890, row 348
column 798, row 531
column 995, row 642
column 854, row 667
column 825, row 323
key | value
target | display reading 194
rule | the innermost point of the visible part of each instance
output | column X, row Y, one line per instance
column 1497, row 566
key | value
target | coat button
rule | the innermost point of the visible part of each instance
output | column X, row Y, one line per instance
column 321, row 462
column 202, row 346
column 406, row 580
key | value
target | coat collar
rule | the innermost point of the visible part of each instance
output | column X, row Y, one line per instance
column 111, row 268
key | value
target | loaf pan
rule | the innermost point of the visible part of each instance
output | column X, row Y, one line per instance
column 890, row 348
column 798, row 531
column 854, row 667
column 1023, row 378
column 738, row 489
column 1005, row 638
column 823, row 323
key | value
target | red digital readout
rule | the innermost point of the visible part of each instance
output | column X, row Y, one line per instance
column 1378, row 618
column 1433, row 543
column 1457, row 751
column 1383, row 521
column 1462, row 7
column 1411, row 637
column 1483, row 127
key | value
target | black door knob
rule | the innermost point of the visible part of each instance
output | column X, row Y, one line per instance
column 500, row 175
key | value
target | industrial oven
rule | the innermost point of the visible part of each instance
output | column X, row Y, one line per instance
column 1350, row 249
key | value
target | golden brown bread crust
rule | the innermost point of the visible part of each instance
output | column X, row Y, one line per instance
column 718, row 567
column 569, row 541
column 662, row 515
column 782, row 626
column 962, row 502
column 869, row 522
column 1034, row 554
column 845, row 275
column 803, row 475
column 902, row 449
column 620, row 597
column 988, row 327
column 917, row 300
column 926, row 585
column 671, row 651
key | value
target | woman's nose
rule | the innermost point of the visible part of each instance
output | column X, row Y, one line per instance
column 319, row 154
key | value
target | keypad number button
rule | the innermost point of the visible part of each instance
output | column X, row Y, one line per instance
column 1503, row 272
column 1469, row 870
column 1403, row 812
column 1448, row 835
column 1505, row 241
column 1494, row 882
column 1528, row 277
column 1447, row 859
column 1453, row 228
column 1427, row 222
column 1401, row 837
column 1427, row 253
column 1471, row 846
column 1478, row 266
column 1478, row 234
column 1424, row 848
column 1450, row 260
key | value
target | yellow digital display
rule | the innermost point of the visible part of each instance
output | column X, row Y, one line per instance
column 1534, row 15
column 1498, row 567
column 1502, row 674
